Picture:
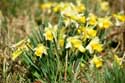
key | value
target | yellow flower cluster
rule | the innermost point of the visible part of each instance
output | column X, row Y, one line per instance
column 80, row 31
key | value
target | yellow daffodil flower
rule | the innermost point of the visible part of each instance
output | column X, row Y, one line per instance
column 97, row 61
column 94, row 45
column 97, row 47
column 119, row 17
column 87, row 32
column 16, row 53
column 46, row 6
column 80, row 7
column 40, row 49
column 50, row 32
column 82, row 19
column 104, row 22
column 67, row 21
column 48, row 35
column 60, row 7
column 80, row 30
column 92, row 19
column 76, row 17
column 61, row 36
column 117, row 59
column 61, row 42
column 76, row 43
column 104, row 6
column 20, row 46
column 57, row 8
column 91, row 32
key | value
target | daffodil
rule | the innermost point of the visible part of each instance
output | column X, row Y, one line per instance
column 97, row 47
column 76, row 17
column 104, row 5
column 82, row 19
column 117, row 59
column 91, row 32
column 97, row 61
column 94, row 45
column 62, row 36
column 20, row 44
column 60, row 7
column 75, row 43
column 46, row 6
column 80, row 7
column 120, row 17
column 20, row 47
column 16, row 53
column 67, row 21
column 92, row 19
column 40, row 50
column 50, row 32
column 57, row 8
column 87, row 32
column 61, row 42
column 48, row 35
column 70, row 12
column 104, row 22
column 81, row 29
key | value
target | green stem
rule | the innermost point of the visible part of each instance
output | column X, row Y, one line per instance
column 75, row 73
column 66, row 64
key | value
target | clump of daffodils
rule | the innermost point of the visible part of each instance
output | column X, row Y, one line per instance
column 72, row 35
column 87, row 27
